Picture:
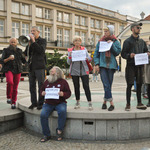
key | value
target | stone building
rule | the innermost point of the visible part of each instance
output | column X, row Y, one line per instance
column 57, row 20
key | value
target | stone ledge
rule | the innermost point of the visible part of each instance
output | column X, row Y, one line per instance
column 84, row 113
column 9, row 114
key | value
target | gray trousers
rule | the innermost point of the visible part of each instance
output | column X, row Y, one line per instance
column 36, row 75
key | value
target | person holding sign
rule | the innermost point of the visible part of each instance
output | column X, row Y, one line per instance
column 133, row 46
column 55, row 90
column 77, row 59
column 105, row 54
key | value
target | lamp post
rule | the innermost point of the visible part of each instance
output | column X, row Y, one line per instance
column 142, row 15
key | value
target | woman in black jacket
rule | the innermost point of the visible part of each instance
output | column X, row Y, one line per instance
column 12, row 66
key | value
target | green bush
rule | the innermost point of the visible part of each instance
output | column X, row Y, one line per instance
column 57, row 59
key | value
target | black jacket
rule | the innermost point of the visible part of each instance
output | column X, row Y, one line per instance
column 133, row 45
column 15, row 65
column 37, row 54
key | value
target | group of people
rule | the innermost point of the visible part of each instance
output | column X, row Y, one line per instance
column 105, row 64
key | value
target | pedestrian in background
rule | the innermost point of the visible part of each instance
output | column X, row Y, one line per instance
column 147, row 75
column 12, row 58
column 55, row 80
column 106, row 64
column 36, row 60
column 131, row 46
column 79, row 69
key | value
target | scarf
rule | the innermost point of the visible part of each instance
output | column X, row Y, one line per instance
column 104, row 38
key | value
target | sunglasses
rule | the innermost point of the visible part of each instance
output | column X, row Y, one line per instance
column 138, row 27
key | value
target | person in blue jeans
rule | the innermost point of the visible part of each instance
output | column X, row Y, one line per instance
column 55, row 81
column 106, row 63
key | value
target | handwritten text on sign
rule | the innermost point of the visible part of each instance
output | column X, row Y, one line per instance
column 141, row 59
column 52, row 93
column 78, row 55
column 104, row 46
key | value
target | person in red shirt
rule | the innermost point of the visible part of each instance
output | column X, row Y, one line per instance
column 56, row 82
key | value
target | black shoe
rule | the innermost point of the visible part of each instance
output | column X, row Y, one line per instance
column 39, row 107
column 32, row 106
column 13, row 106
column 8, row 101
column 104, row 106
column 111, row 108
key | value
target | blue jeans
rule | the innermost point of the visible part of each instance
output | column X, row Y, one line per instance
column 107, row 79
column 47, row 109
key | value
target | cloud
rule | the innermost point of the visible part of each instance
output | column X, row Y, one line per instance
column 125, row 7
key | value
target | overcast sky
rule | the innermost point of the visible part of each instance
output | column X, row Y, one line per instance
column 125, row 7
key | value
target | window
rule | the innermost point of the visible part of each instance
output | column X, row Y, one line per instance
column 92, row 41
column 59, row 16
column 121, row 28
column 1, row 4
column 25, row 9
column 47, row 33
column 39, row 12
column 92, row 23
column 77, row 20
column 15, row 29
column 83, row 21
column 47, row 14
column 66, row 38
column 66, row 17
column 97, row 38
column 83, row 36
column 40, row 28
column 77, row 33
column 97, row 24
column 15, row 7
column 1, row 28
column 59, row 37
column 25, row 29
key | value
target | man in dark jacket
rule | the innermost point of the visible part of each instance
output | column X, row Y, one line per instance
column 35, row 53
column 134, row 45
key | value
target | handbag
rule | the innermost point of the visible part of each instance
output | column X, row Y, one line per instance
column 89, row 65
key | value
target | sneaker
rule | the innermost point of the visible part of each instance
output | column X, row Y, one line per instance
column 127, row 108
column 104, row 106
column 32, row 106
column 90, row 106
column 77, row 105
column 111, row 108
column 13, row 106
column 141, row 106
column 8, row 101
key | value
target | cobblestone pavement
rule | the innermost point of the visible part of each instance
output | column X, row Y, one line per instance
column 23, row 139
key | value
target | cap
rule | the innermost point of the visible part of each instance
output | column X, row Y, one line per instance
column 135, row 24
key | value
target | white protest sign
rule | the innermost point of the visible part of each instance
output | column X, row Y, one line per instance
column 79, row 55
column 52, row 93
column 104, row 46
column 141, row 59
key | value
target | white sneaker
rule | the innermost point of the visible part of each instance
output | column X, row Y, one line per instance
column 90, row 106
column 77, row 105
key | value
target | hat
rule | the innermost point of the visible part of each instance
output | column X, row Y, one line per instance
column 135, row 24
column 110, row 28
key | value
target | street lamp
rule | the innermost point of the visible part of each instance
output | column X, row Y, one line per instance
column 142, row 15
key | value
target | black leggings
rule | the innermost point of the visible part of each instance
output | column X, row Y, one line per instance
column 138, row 93
column 85, row 82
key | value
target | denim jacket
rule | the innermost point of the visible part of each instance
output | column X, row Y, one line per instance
column 100, row 59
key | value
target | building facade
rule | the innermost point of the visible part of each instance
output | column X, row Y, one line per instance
column 58, row 21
